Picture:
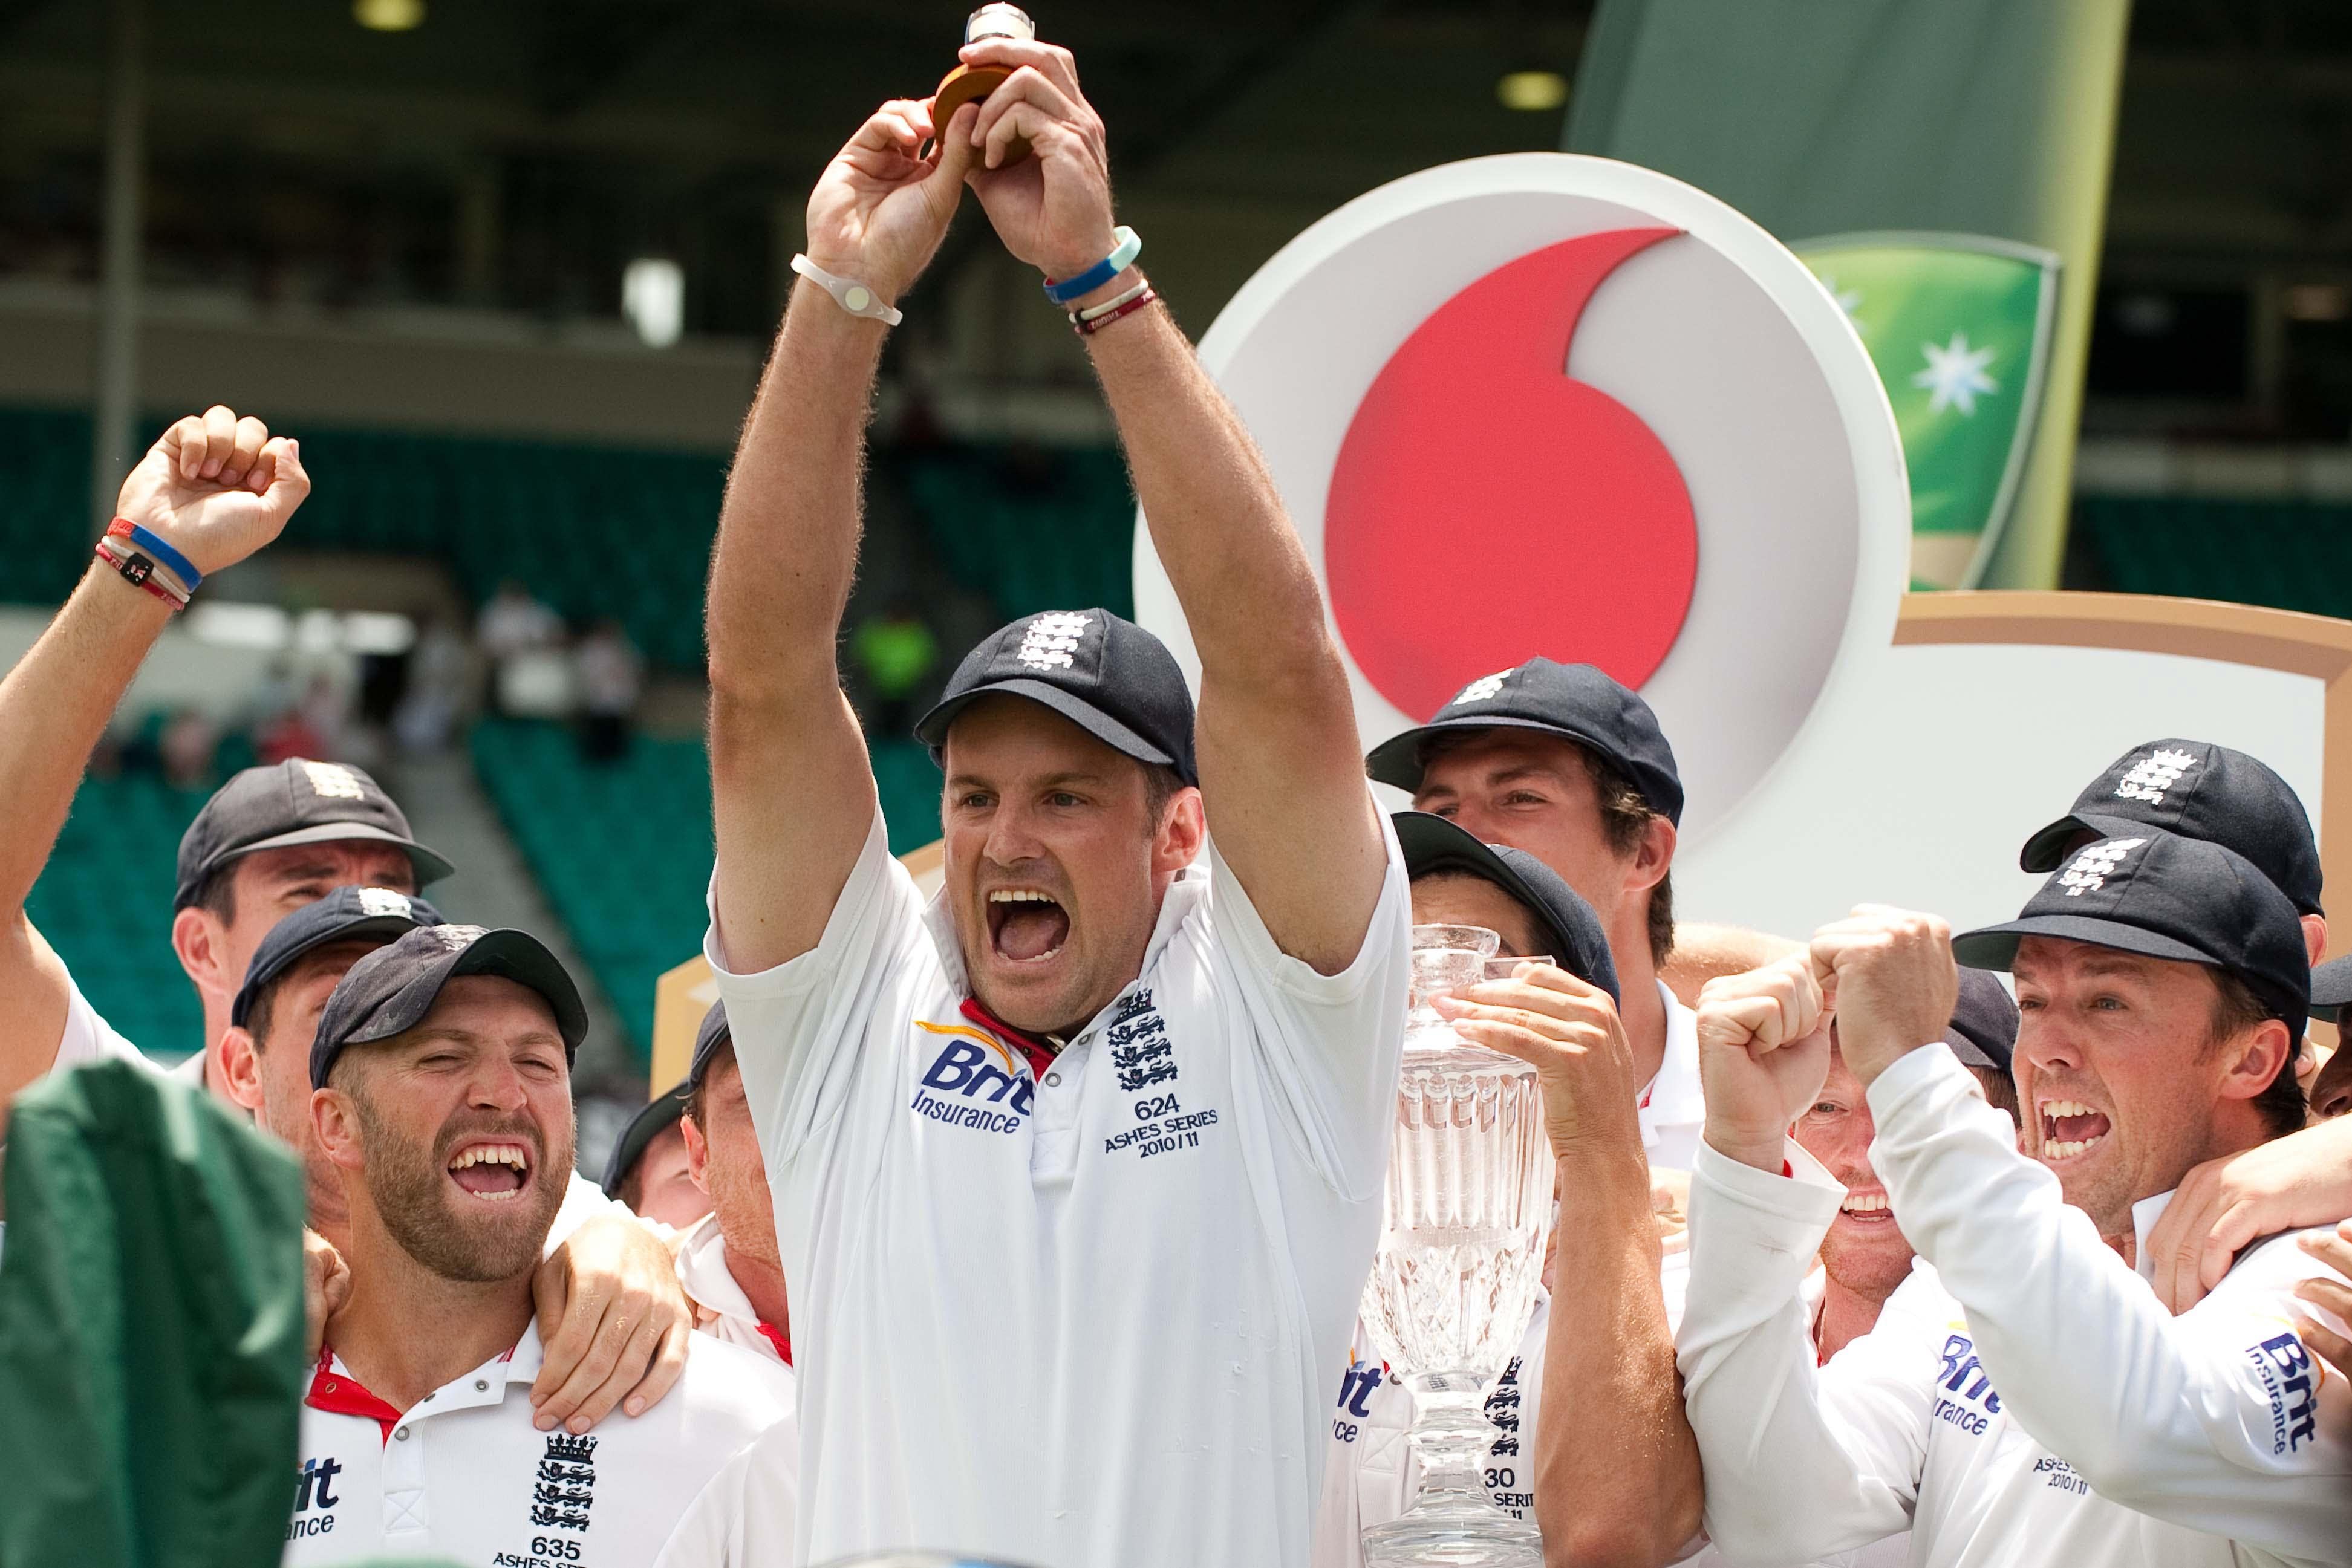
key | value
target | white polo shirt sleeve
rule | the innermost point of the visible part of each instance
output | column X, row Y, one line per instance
column 88, row 1036
column 1330, row 1044
column 744, row 1518
column 2219, row 1420
column 1801, row 1462
column 798, row 1028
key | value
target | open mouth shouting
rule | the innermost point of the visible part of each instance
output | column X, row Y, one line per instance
column 492, row 1171
column 2070, row 1129
column 1026, row 926
column 1867, row 1208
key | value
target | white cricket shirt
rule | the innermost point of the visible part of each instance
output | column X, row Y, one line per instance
column 1089, row 1320
column 2024, row 1399
column 708, row 1282
column 465, row 1475
column 746, row 1517
column 1672, row 1108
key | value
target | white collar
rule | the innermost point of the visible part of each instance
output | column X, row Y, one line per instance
column 2145, row 1214
column 703, row 1270
column 1674, row 1098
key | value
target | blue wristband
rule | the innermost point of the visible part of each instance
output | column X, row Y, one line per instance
column 166, row 557
column 1130, row 246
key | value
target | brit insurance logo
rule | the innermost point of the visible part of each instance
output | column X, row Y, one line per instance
column 1557, row 406
column 973, row 1079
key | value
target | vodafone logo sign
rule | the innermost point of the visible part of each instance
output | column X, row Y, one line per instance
column 1549, row 404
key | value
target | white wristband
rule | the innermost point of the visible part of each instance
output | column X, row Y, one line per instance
column 851, row 297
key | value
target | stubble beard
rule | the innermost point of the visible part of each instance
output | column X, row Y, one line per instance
column 405, row 1184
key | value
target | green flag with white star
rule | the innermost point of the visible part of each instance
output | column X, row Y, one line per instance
column 1957, row 151
column 1959, row 326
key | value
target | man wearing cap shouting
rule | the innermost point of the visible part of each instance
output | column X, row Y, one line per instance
column 2024, row 1398
column 1568, row 765
column 2202, row 791
column 442, row 1076
column 1082, row 1163
column 212, row 490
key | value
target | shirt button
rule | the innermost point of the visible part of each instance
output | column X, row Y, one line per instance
column 481, row 1385
column 402, row 1434
column 1053, row 1080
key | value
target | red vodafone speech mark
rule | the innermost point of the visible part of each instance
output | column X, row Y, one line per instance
column 1486, row 509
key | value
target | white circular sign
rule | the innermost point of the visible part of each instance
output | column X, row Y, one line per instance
column 1558, row 406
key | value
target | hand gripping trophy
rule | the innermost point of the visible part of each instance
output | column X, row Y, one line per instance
column 1467, row 1211
column 972, row 84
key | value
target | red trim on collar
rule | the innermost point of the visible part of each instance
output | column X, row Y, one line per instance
column 340, row 1394
column 1040, row 1054
column 780, row 1338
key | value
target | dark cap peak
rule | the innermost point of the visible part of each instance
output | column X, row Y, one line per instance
column 2168, row 896
column 1102, row 672
column 392, row 989
column 1578, row 703
column 297, row 801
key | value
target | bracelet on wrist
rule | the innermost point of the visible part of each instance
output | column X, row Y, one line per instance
column 1126, row 247
column 1094, row 311
column 158, row 549
column 1087, row 323
column 141, row 573
column 848, row 293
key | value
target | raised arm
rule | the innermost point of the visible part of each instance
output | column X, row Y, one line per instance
column 216, row 488
column 792, row 795
column 1281, row 766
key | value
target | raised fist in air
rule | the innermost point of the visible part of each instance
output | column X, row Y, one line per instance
column 1890, row 975
column 216, row 488
column 1763, row 1050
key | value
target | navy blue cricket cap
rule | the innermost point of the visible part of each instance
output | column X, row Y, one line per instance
column 662, row 1112
column 391, row 990
column 1983, row 1030
column 2199, row 790
column 298, row 801
column 2331, row 989
column 1104, row 673
column 1566, row 924
column 348, row 914
column 2166, row 896
column 1574, row 702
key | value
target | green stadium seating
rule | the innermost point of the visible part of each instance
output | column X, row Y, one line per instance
column 105, row 904
column 601, row 531
column 623, row 851
column 2292, row 555
column 1051, row 531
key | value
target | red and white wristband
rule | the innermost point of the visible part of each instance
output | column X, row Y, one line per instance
column 1094, row 319
column 169, row 582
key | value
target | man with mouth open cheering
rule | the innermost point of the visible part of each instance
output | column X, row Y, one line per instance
column 1078, row 1170
column 2024, row 1397
column 441, row 1093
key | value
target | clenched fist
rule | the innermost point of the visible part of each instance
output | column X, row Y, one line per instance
column 216, row 488
column 1763, row 1050
column 1891, row 977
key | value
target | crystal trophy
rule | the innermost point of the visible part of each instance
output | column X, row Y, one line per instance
column 1467, row 1211
column 972, row 84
